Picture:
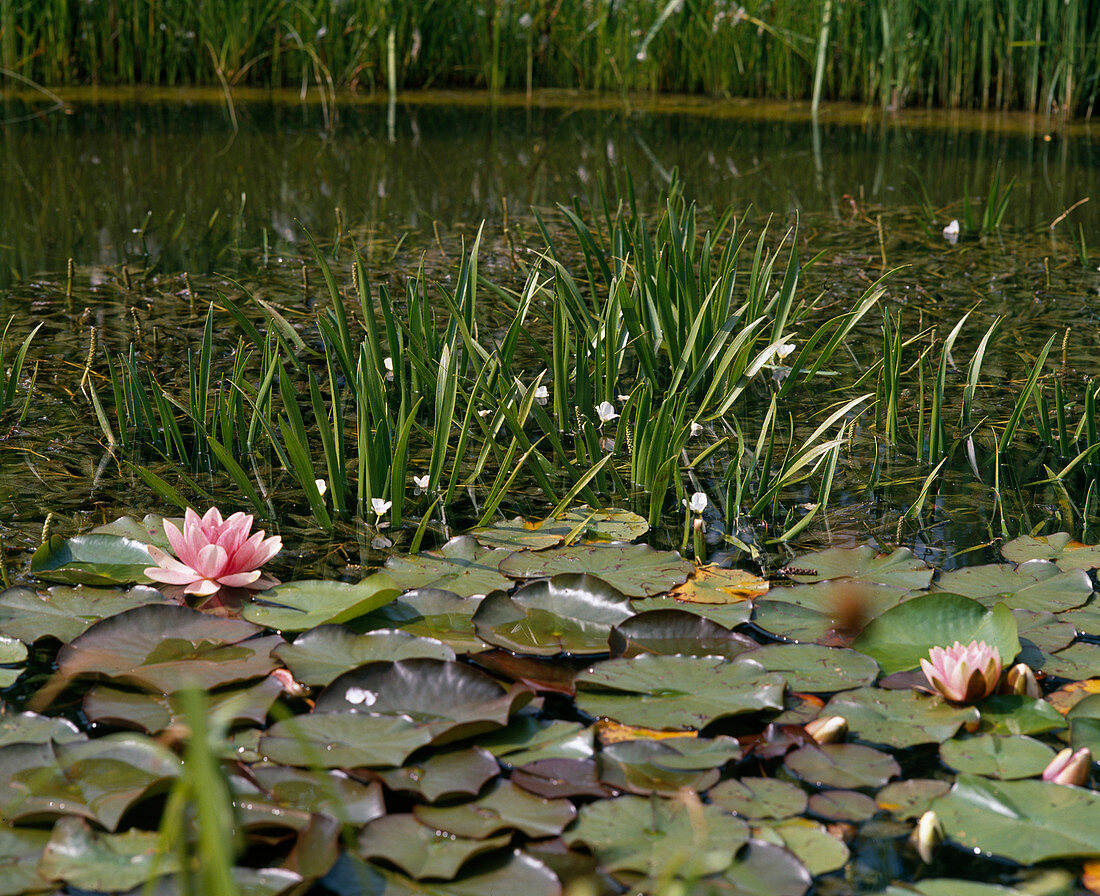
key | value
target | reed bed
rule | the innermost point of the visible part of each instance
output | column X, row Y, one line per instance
column 1041, row 56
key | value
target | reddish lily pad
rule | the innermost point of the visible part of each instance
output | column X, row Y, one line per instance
column 899, row 718
column 760, row 798
column 677, row 691
column 569, row 613
column 64, row 611
column 842, row 765
column 636, row 570
column 461, row 566
column 504, row 807
column 418, row 849
column 555, row 778
column 321, row 654
column 899, row 568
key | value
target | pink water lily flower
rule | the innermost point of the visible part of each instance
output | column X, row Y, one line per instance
column 213, row 554
column 963, row 673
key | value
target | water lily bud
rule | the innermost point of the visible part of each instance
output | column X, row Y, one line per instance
column 290, row 685
column 827, row 729
column 927, row 836
column 1069, row 767
column 1020, row 679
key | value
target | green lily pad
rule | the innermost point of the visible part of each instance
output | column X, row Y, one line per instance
column 899, row 568
column 504, row 807
column 321, row 654
column 842, row 805
column 419, row 850
column 902, row 636
column 92, row 560
column 1084, row 724
column 461, row 566
column 517, row 872
column 32, row 728
column 168, row 648
column 899, row 718
column 997, row 756
column 20, row 851
column 451, row 700
column 811, row 844
column 665, row 766
column 431, row 613
column 910, row 799
column 760, row 799
column 1086, row 619
column 636, row 570
column 845, row 766
column 63, row 612
column 652, row 836
column 1023, row 821
column 343, row 740
column 338, row 796
column 1015, row 714
column 1042, row 632
column 93, row 860
column 765, row 869
column 1059, row 547
column 568, row 613
column 1076, row 662
column 668, row 632
column 676, row 691
column 727, row 615
column 528, row 738
column 949, row 886
column 297, row 606
column 448, row 773
column 811, row 667
column 826, row 612
column 602, row 525
column 12, row 650
column 1034, row 585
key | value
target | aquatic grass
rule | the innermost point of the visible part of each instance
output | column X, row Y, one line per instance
column 10, row 374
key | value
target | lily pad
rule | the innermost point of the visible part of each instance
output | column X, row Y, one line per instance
column 461, row 566
column 12, row 650
column 528, row 738
column 1084, row 722
column 93, row 860
column 1023, row 821
column 297, row 606
column 668, row 632
column 168, row 648
column 727, row 615
column 1077, row 662
column 845, row 766
column 448, row 773
column 997, row 756
column 910, row 799
column 899, row 718
column 636, row 570
column 92, row 560
column 601, row 525
column 714, row 585
column 63, row 612
column 677, row 691
column 760, row 798
column 830, row 613
column 902, row 636
column 568, row 613
column 899, row 568
column 655, row 836
column 666, row 766
column 1060, row 547
column 432, row 613
column 336, row 795
column 814, row 846
column 765, row 869
column 513, row 873
column 32, row 728
column 1042, row 632
column 343, row 740
column 504, row 807
column 842, row 805
column 320, row 655
column 451, row 700
column 1016, row 714
column 20, row 851
column 811, row 667
column 419, row 850
column 1034, row 585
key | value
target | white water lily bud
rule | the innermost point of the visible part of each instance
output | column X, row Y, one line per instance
column 927, row 836
column 827, row 729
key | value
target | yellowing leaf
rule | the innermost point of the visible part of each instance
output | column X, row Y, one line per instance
column 711, row 585
column 612, row 732
column 1069, row 695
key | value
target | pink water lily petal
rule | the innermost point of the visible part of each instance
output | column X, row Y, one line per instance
column 239, row 579
column 211, row 561
column 168, row 569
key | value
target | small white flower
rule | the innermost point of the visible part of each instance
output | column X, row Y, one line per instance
column 695, row 429
column 388, row 364
column 785, row 348
column 697, row 504
column 606, row 411
column 542, row 394
column 951, row 232
column 623, row 397
column 379, row 506
column 322, row 486
column 484, row 413
column 420, row 481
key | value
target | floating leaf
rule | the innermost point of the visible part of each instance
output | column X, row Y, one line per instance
column 296, row 606
column 64, row 612
column 528, row 738
column 677, row 691
column 665, row 766
column 728, row 615
column 1078, row 661
column 1040, row 633
column 1034, row 585
column 827, row 612
column 517, row 534
column 168, row 648
column 1084, row 724
column 554, row 778
column 650, row 836
column 451, row 700
column 949, row 886
column 343, row 740
column 714, row 585
column 668, row 632
column 811, row 667
column 842, row 805
column 902, row 636
column 92, row 860
column 997, row 756
column 899, row 569
column 461, row 566
column 419, row 850
column 636, row 570
column 516, row 873
column 20, row 851
column 32, row 728
column 1015, row 714
column 766, row 869
column 814, row 846
column 760, row 798
column 320, row 655
column 432, row 613
column 12, row 650
column 449, row 773
column 92, row 560
column 504, row 807
column 336, row 795
column 1059, row 547
column 1023, row 821
column 842, row 765
column 1067, row 696
column 899, row 718
column 911, row 798
column 602, row 525
column 568, row 613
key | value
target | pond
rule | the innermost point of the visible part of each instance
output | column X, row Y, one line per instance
column 868, row 401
